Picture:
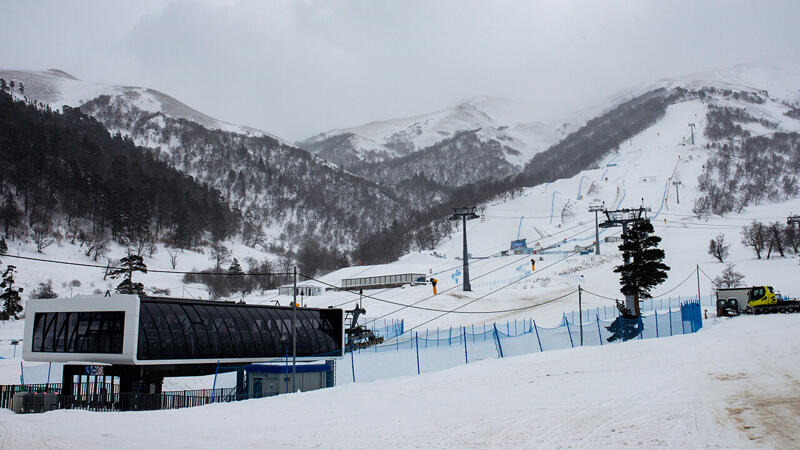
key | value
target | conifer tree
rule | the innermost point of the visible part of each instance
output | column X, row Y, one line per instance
column 3, row 246
column 10, row 295
column 236, row 276
column 644, row 270
column 128, row 265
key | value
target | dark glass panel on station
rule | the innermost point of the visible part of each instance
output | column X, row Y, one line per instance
column 181, row 329
column 78, row 332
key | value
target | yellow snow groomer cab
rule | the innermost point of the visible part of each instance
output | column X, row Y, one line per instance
column 762, row 295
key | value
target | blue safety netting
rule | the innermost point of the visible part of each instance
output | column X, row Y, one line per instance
column 609, row 312
column 426, row 351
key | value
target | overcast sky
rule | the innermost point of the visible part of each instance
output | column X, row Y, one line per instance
column 296, row 68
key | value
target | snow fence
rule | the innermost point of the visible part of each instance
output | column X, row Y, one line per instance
column 418, row 352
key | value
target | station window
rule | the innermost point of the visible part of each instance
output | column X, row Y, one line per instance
column 78, row 332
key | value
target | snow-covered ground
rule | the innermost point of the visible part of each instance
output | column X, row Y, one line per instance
column 719, row 388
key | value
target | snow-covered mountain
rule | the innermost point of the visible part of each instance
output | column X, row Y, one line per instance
column 283, row 196
column 499, row 120
column 57, row 88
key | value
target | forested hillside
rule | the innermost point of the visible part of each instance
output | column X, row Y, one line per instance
column 285, row 196
column 64, row 176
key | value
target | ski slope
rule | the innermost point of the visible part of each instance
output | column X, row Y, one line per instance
column 719, row 388
column 639, row 173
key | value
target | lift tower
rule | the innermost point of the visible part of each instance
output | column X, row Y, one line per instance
column 623, row 217
column 595, row 209
column 466, row 213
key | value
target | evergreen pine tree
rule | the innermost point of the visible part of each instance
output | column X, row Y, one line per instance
column 128, row 265
column 10, row 296
column 3, row 246
column 236, row 277
column 644, row 270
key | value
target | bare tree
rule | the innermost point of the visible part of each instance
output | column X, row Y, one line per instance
column 755, row 237
column 776, row 238
column 43, row 236
column 718, row 248
column 219, row 255
column 173, row 257
column 729, row 278
column 792, row 237
column 96, row 244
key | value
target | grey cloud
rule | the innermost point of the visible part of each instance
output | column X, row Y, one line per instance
column 297, row 68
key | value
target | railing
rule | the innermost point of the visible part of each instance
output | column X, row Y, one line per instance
column 128, row 401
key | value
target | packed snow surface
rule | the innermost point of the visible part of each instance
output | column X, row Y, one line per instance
column 719, row 388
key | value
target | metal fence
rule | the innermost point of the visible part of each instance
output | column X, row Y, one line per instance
column 430, row 350
column 105, row 399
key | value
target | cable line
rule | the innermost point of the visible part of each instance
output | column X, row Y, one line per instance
column 482, row 275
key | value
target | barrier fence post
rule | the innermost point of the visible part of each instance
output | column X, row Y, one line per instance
column 466, row 358
column 426, row 338
column 656, row 311
column 437, row 336
column 450, row 337
column 683, row 327
column 537, row 335
column 670, row 320
column 570, row 336
column 352, row 366
column 497, row 340
column 641, row 328
column 473, row 332
column 214, row 385
column 417, row 338
column 599, row 334
column 621, row 329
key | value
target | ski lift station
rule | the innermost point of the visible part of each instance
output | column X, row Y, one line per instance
column 303, row 289
column 137, row 341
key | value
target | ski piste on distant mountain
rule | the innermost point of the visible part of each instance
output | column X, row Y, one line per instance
column 744, row 127
column 57, row 88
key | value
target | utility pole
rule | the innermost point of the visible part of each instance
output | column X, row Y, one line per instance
column 465, row 213
column 697, row 269
column 580, row 313
column 677, row 193
column 294, row 332
column 595, row 209
column 691, row 127
column 793, row 220
column 622, row 217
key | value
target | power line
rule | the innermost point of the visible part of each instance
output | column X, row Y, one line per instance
column 476, row 262
column 482, row 275
column 177, row 272
column 709, row 278
column 654, row 296
column 676, row 287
